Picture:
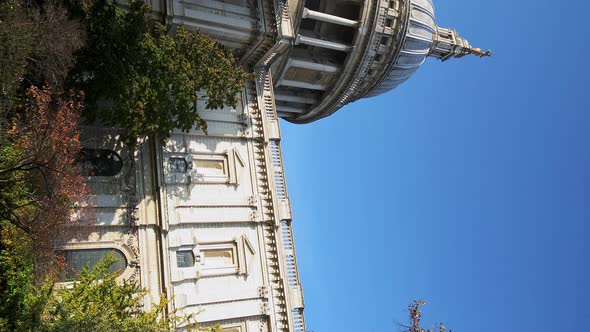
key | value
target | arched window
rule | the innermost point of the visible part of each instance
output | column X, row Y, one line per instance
column 99, row 162
column 76, row 259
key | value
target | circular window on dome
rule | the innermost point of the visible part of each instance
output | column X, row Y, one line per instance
column 99, row 162
column 77, row 259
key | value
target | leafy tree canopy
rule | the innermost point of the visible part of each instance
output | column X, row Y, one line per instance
column 39, row 181
column 139, row 77
column 415, row 315
column 37, row 45
column 97, row 301
column 18, row 294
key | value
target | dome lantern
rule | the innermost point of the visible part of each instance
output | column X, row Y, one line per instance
column 448, row 43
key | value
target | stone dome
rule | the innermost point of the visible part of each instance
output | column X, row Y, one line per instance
column 416, row 45
column 346, row 50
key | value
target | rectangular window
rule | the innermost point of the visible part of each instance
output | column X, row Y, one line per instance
column 218, row 259
column 203, row 167
column 225, row 258
column 232, row 329
column 211, row 167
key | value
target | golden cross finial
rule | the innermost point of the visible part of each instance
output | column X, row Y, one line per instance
column 479, row 52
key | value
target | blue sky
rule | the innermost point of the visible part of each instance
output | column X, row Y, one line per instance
column 468, row 186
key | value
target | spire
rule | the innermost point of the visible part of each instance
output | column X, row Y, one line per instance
column 447, row 44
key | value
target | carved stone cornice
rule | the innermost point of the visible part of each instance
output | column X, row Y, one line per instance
column 271, row 188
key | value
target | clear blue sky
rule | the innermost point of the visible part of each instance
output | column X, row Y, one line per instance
column 468, row 186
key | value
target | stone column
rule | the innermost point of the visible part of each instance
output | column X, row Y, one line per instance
column 322, row 43
column 313, row 65
column 307, row 13
column 294, row 98
column 303, row 85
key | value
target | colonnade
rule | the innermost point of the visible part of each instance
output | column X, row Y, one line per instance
column 292, row 103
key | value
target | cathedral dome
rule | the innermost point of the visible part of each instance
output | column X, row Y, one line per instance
column 346, row 50
column 416, row 45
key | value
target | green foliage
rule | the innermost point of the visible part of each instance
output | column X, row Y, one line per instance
column 38, row 184
column 95, row 301
column 21, row 302
column 138, row 77
column 13, row 190
column 105, row 305
column 15, row 279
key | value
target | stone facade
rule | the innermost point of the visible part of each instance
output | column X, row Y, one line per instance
column 204, row 219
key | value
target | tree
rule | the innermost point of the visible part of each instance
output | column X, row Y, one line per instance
column 98, row 302
column 16, row 44
column 39, row 179
column 38, row 141
column 95, row 301
column 37, row 43
column 58, row 37
column 415, row 318
column 18, row 294
column 138, row 77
